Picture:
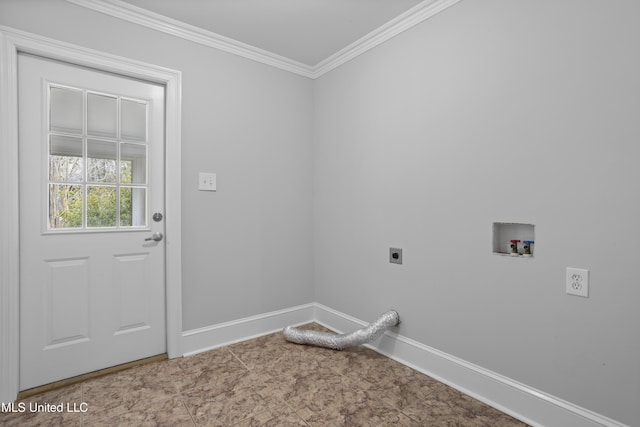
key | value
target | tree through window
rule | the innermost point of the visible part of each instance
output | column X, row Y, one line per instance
column 97, row 160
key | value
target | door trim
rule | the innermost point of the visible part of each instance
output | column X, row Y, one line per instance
column 12, row 42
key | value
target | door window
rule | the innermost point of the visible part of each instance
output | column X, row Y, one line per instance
column 98, row 161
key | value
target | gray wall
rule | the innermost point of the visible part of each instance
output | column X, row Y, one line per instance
column 491, row 111
column 247, row 247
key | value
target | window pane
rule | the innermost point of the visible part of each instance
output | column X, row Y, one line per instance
column 133, row 163
column 101, row 161
column 65, row 206
column 96, row 180
column 102, row 115
column 65, row 159
column 133, row 120
column 65, row 110
column 101, row 206
column 133, row 207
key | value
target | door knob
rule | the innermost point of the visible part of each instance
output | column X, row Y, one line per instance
column 156, row 237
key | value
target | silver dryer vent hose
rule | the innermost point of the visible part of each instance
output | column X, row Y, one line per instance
column 341, row 341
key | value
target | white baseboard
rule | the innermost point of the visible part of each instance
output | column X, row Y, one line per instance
column 210, row 337
column 525, row 403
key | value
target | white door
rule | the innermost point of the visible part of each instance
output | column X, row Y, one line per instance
column 92, row 281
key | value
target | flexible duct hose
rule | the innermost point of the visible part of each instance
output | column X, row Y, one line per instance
column 342, row 341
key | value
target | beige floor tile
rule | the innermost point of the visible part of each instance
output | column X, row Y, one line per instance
column 40, row 420
column 170, row 413
column 226, row 408
column 35, row 410
column 325, row 395
column 268, row 381
column 278, row 417
column 132, row 390
column 446, row 406
column 220, row 358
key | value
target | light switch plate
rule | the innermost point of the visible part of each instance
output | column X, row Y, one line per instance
column 207, row 181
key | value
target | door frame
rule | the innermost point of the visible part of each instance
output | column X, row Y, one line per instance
column 13, row 42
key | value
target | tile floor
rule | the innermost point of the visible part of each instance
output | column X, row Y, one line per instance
column 265, row 381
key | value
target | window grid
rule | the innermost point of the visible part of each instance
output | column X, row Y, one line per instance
column 138, row 186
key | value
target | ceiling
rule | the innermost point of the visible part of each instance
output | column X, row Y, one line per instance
column 305, row 31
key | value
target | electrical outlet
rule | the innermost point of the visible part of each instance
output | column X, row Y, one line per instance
column 395, row 255
column 577, row 282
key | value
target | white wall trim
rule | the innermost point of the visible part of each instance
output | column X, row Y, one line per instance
column 122, row 10
column 9, row 238
column 146, row 18
column 525, row 403
column 421, row 12
column 15, row 41
column 210, row 337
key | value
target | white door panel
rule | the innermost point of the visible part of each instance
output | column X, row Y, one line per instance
column 92, row 289
column 66, row 296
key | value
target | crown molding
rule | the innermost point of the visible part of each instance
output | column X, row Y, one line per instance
column 412, row 17
column 125, row 11
column 137, row 15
